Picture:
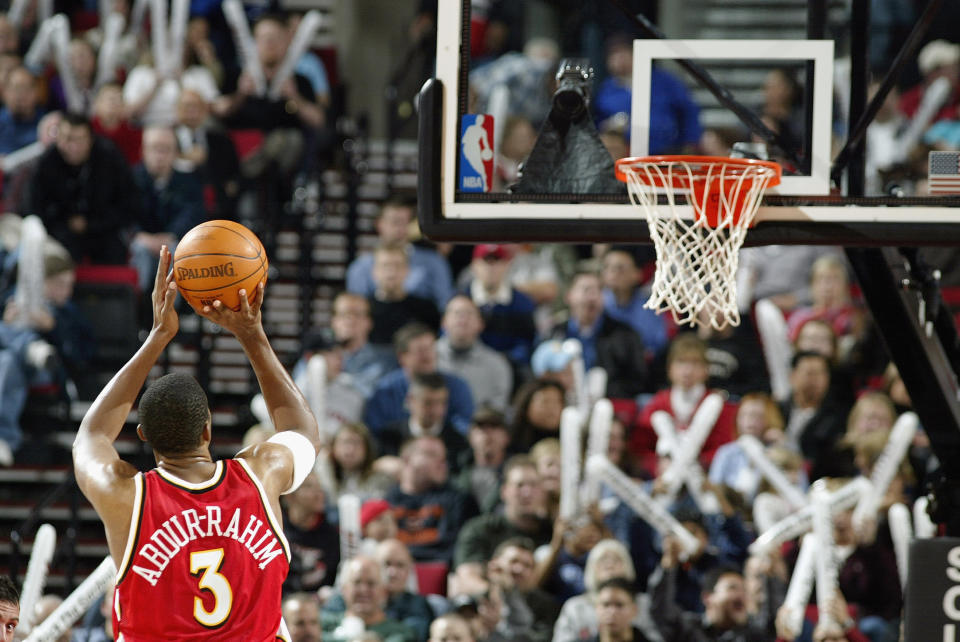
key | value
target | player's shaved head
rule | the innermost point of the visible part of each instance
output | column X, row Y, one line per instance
column 173, row 412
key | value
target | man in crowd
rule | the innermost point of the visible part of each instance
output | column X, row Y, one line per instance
column 480, row 477
column 724, row 600
column 427, row 400
column 523, row 506
column 428, row 509
column 814, row 423
column 616, row 606
column 508, row 325
column 531, row 612
column 351, row 325
column 623, row 300
column 402, row 605
column 301, row 612
column 391, row 305
column 289, row 121
column 607, row 343
column 416, row 350
column 461, row 352
column 85, row 194
column 364, row 595
column 428, row 275
column 172, row 203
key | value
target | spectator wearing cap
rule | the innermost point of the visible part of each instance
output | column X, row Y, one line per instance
column 428, row 275
column 482, row 608
column 314, row 542
column 508, row 324
column 416, row 350
column 937, row 59
column 391, row 305
column 429, row 510
column 607, row 343
column 460, row 351
column 402, row 605
column 550, row 362
column 480, row 474
column 377, row 523
column 427, row 400
column 351, row 325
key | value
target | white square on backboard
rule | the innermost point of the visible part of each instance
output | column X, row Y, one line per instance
column 818, row 51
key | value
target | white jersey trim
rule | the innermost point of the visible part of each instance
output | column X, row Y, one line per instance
column 274, row 522
column 135, row 516
column 173, row 479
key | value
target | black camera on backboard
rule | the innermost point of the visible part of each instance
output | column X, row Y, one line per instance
column 574, row 78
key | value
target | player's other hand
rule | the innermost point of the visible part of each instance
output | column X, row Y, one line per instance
column 243, row 323
column 166, row 322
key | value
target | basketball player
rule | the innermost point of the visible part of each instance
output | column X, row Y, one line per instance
column 199, row 550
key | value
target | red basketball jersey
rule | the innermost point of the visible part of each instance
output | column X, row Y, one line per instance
column 203, row 561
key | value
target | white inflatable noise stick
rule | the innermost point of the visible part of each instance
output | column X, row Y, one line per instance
column 44, row 543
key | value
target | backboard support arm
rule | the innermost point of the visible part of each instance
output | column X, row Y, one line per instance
column 924, row 360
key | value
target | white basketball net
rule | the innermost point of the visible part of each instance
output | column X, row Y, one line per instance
column 696, row 263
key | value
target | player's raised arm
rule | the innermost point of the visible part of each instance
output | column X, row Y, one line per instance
column 284, row 460
column 97, row 465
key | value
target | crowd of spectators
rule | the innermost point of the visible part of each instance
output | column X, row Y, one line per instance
column 457, row 462
column 118, row 153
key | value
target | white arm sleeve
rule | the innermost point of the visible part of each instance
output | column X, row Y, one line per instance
column 303, row 455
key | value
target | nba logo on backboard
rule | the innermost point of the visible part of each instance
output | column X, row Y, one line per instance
column 476, row 153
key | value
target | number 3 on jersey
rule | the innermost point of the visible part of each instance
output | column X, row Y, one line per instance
column 209, row 563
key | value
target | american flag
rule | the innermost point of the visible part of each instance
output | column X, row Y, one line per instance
column 944, row 172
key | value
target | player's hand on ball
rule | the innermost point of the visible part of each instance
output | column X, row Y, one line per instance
column 165, row 318
column 240, row 323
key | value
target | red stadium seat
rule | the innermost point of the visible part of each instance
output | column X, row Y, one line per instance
column 432, row 577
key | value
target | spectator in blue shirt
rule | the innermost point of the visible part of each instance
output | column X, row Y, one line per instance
column 623, row 300
column 20, row 114
column 417, row 353
column 674, row 117
column 429, row 274
column 172, row 203
column 607, row 343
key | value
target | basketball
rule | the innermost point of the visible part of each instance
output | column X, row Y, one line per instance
column 217, row 259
